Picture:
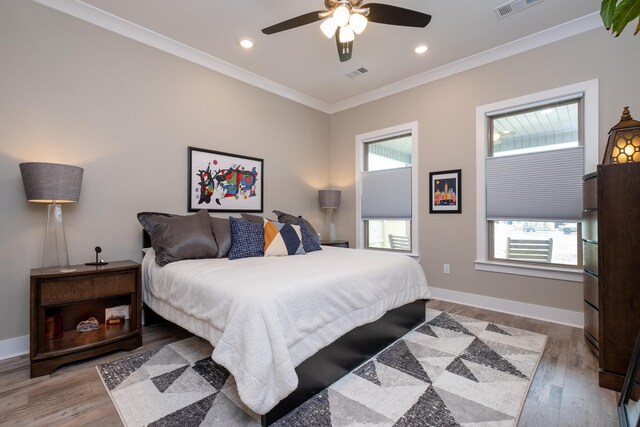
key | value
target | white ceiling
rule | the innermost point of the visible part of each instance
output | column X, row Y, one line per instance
column 303, row 61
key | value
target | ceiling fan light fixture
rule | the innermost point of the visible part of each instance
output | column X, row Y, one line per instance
column 329, row 27
column 341, row 15
column 358, row 23
column 346, row 34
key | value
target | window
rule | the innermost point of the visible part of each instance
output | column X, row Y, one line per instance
column 534, row 183
column 531, row 155
column 386, row 188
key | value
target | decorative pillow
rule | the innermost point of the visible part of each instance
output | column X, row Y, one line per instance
column 252, row 218
column 222, row 233
column 309, row 239
column 282, row 239
column 292, row 219
column 175, row 237
column 247, row 239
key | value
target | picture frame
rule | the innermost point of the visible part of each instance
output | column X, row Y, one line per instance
column 224, row 182
column 629, row 403
column 445, row 191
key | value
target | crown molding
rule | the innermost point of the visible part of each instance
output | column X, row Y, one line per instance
column 551, row 35
column 100, row 18
column 93, row 15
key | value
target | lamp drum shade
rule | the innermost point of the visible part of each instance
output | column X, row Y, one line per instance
column 51, row 182
column 329, row 199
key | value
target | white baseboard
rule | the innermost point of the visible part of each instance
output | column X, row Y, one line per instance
column 540, row 312
column 13, row 347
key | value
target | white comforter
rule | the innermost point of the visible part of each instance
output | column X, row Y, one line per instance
column 265, row 316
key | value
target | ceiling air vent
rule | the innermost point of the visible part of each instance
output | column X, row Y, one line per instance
column 357, row 72
column 514, row 6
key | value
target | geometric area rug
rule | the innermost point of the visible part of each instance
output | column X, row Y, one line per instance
column 449, row 371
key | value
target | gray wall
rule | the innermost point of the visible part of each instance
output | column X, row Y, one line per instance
column 73, row 93
column 445, row 111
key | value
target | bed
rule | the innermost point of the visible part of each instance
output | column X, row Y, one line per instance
column 286, row 327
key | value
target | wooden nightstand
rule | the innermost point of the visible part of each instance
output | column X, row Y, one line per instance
column 336, row 243
column 78, row 295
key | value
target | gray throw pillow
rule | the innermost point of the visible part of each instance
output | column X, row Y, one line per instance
column 257, row 219
column 292, row 219
column 222, row 232
column 176, row 238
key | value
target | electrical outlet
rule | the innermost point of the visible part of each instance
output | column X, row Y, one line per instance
column 446, row 269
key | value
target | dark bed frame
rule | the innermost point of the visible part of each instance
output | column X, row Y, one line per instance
column 340, row 357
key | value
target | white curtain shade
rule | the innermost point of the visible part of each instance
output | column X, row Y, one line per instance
column 386, row 194
column 536, row 186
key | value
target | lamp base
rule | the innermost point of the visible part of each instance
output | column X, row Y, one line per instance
column 332, row 231
column 54, row 252
column 330, row 226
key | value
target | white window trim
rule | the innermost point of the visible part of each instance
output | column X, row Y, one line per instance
column 361, row 140
column 589, row 91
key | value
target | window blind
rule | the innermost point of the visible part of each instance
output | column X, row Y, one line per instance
column 386, row 194
column 536, row 186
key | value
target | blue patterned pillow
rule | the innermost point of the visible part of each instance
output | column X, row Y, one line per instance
column 309, row 240
column 247, row 239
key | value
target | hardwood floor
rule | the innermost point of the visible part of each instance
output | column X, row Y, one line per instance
column 564, row 392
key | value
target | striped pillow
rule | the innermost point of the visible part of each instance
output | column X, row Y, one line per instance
column 282, row 239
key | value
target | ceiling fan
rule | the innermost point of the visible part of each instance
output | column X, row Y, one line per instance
column 346, row 18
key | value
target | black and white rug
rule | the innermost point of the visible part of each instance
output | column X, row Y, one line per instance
column 450, row 371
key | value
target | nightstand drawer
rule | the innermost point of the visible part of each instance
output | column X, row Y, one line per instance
column 88, row 287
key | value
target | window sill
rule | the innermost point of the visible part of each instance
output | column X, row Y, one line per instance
column 558, row 273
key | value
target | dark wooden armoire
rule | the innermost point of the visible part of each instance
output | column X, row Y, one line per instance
column 617, row 267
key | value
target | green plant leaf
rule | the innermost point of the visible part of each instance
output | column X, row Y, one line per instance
column 606, row 12
column 637, row 28
column 626, row 11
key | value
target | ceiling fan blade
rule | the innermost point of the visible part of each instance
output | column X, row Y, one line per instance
column 345, row 50
column 298, row 21
column 394, row 15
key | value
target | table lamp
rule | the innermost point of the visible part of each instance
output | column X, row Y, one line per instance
column 330, row 200
column 623, row 145
column 54, row 184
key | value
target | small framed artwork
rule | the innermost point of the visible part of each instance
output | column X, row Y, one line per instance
column 224, row 182
column 445, row 191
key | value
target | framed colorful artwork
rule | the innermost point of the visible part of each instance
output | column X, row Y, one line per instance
column 224, row 182
column 445, row 191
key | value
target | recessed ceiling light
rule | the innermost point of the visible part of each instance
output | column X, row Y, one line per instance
column 246, row 43
column 421, row 48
